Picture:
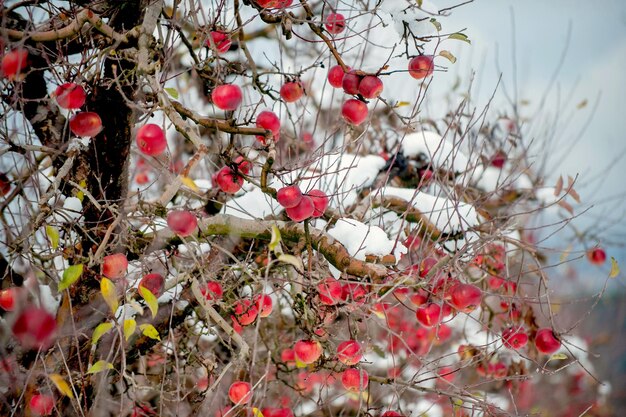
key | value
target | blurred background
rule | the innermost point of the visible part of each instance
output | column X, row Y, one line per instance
column 561, row 64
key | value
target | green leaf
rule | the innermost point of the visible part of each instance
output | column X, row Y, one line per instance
column 129, row 328
column 107, row 289
column 99, row 366
column 419, row 3
column 276, row 238
column 53, row 235
column 172, row 92
column 70, row 275
column 558, row 356
column 614, row 268
column 148, row 330
column 460, row 36
column 100, row 330
column 292, row 260
column 150, row 299
column 448, row 55
column 436, row 24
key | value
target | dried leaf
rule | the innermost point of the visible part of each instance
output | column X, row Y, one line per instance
column 614, row 268
column 148, row 330
column 100, row 330
column 129, row 328
column 292, row 260
column 53, row 236
column 559, row 186
column 99, row 366
column 566, row 206
column 574, row 195
column 448, row 55
column 570, row 181
column 436, row 24
column 582, row 104
column 70, row 276
column 150, row 299
column 61, row 385
column 107, row 289
column 460, row 36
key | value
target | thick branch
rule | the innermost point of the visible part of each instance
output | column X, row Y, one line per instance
column 217, row 125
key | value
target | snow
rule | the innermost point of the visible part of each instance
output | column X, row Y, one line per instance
column 440, row 152
column 252, row 205
column 361, row 239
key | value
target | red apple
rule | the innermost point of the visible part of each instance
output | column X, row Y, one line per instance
column 429, row 315
column 336, row 75
column 596, row 256
column 307, row 351
column 240, row 392
column 151, row 139
column 335, row 23
column 264, row 305
column 227, row 97
column 465, row 297
column 14, row 62
column 354, row 111
column 288, row 356
column 495, row 282
column 351, row 82
column 421, row 66
column 391, row 414
column 291, row 91
column 219, row 40
column 7, row 299
column 182, row 222
column 514, row 338
column 142, row 178
column 87, row 124
column 330, row 291
column 70, row 96
column 320, row 202
column 212, row 291
column 245, row 311
column 35, row 328
column 354, row 379
column 114, row 266
column 498, row 160
column 302, row 211
column 5, row 184
column 349, row 352
column 153, row 283
column 370, row 86
column 289, row 196
column 426, row 265
column 277, row 412
column 268, row 120
column 546, row 341
column 41, row 404
column 228, row 181
column 243, row 165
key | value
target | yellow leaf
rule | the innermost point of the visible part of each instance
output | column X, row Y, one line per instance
column 292, row 260
column 401, row 104
column 558, row 356
column 614, row 268
column 99, row 331
column 276, row 238
column 148, row 330
column 79, row 194
column 448, row 55
column 129, row 328
column 70, row 276
column 53, row 235
column 300, row 364
column 190, row 184
column 256, row 412
column 99, row 366
column 107, row 289
column 150, row 299
column 61, row 385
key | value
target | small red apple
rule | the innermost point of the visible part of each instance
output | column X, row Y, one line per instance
column 153, row 283
column 349, row 352
column 13, row 63
column 114, row 266
column 307, row 351
column 264, row 305
column 228, row 181
column 245, row 311
column 498, row 159
column 268, row 120
column 546, row 341
column 5, row 184
column 220, row 40
column 429, row 315
column 227, row 97
column 596, row 256
column 86, row 124
column 151, row 139
column 70, row 96
column 41, row 404
column 351, row 82
column 392, row 414
column 243, row 165
column 465, row 297
column 354, row 379
column 335, row 76
column 240, row 392
column 335, row 23
column 277, row 412
column 354, row 111
column 320, row 202
column 182, row 222
column 35, row 328
column 330, row 291
column 291, row 91
column 370, row 86
column 212, row 291
column 7, row 299
column 302, row 211
column 514, row 338
column 421, row 66
column 289, row 196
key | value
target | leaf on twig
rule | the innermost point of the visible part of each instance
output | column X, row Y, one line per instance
column 436, row 24
column 189, row 183
column 276, row 238
column 172, row 92
column 53, row 236
column 614, row 268
column 61, row 385
column 129, row 328
column 559, row 186
column 99, row 366
column 566, row 253
column 100, row 331
column 448, row 55
column 107, row 289
column 70, row 276
column 460, row 36
column 149, row 330
column 567, row 206
column 574, row 194
column 150, row 299
column 557, row 356
column 292, row 260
